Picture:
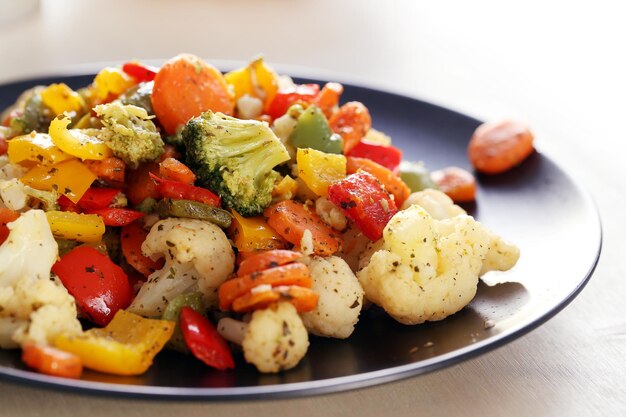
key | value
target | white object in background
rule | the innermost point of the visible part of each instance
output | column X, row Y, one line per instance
column 15, row 9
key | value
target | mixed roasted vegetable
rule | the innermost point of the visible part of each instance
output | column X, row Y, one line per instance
column 186, row 209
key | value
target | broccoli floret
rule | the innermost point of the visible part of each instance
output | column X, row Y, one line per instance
column 234, row 158
column 130, row 133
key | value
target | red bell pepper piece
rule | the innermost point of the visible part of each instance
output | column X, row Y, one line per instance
column 4, row 146
column 180, row 191
column 362, row 199
column 285, row 97
column 99, row 286
column 387, row 156
column 6, row 216
column 68, row 205
column 203, row 340
column 132, row 237
column 117, row 216
column 139, row 72
column 97, row 198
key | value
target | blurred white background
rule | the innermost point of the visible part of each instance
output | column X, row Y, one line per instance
column 558, row 65
column 536, row 60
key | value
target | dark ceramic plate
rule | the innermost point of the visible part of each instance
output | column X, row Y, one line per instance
column 536, row 205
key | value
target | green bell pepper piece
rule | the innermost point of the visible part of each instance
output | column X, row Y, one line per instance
column 312, row 131
column 416, row 176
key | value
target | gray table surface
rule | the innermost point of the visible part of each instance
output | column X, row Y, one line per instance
column 557, row 65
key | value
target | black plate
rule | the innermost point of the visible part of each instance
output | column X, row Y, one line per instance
column 536, row 205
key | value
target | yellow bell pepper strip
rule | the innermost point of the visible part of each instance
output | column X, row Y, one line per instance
column 256, row 79
column 111, row 82
column 71, row 178
column 35, row 148
column 61, row 98
column 126, row 346
column 253, row 233
column 75, row 142
column 76, row 226
column 318, row 170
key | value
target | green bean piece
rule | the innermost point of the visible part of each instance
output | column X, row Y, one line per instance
column 193, row 210
column 172, row 313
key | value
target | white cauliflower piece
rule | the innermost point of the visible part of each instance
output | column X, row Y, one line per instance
column 428, row 269
column 330, row 214
column 30, row 249
column 340, row 298
column 435, row 202
column 36, row 312
column 198, row 257
column 275, row 339
column 249, row 107
column 32, row 307
column 282, row 127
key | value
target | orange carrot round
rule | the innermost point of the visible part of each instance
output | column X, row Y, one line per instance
column 303, row 299
column 351, row 121
column 267, row 259
column 111, row 169
column 457, row 183
column 328, row 98
column 52, row 361
column 291, row 274
column 290, row 220
column 185, row 87
column 497, row 147
column 173, row 169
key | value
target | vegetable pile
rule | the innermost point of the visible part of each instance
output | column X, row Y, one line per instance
column 226, row 216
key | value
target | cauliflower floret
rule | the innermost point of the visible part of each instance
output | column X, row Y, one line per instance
column 32, row 307
column 249, row 107
column 36, row 311
column 275, row 339
column 428, row 269
column 435, row 202
column 330, row 214
column 30, row 239
column 340, row 298
column 198, row 257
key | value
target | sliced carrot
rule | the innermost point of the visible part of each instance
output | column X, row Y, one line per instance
column 173, row 169
column 328, row 98
column 132, row 236
column 457, row 183
column 351, row 121
column 291, row 274
column 255, row 301
column 498, row 147
column 52, row 361
column 393, row 184
column 303, row 299
column 112, row 169
column 290, row 220
column 267, row 259
column 185, row 87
